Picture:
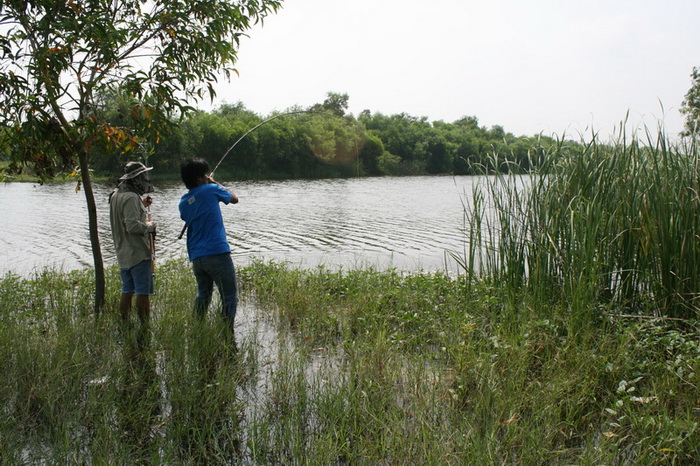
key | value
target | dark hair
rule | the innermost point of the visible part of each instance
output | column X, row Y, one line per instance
column 191, row 170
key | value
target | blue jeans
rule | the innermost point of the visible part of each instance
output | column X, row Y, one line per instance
column 219, row 270
column 138, row 279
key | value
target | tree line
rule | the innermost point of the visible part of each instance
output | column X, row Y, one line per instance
column 321, row 141
column 325, row 140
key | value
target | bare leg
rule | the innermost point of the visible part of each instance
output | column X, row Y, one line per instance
column 143, row 307
column 125, row 305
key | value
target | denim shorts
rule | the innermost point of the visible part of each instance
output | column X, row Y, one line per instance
column 138, row 279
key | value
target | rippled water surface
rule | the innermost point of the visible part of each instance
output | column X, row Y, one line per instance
column 409, row 223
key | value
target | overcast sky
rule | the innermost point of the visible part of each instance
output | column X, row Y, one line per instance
column 531, row 66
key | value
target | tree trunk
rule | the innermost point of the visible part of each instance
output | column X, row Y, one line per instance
column 94, row 234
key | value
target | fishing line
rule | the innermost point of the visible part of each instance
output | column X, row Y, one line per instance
column 253, row 129
column 184, row 227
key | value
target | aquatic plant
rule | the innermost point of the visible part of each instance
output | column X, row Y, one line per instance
column 596, row 223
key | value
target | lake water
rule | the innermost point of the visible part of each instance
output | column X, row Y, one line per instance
column 410, row 223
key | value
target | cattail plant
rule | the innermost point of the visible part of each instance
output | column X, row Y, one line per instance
column 595, row 223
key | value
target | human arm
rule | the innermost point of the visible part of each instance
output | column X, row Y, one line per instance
column 234, row 197
column 134, row 218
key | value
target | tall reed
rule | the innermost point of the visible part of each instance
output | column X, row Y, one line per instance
column 596, row 223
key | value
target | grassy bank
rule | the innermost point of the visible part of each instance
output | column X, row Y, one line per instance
column 571, row 337
column 336, row 367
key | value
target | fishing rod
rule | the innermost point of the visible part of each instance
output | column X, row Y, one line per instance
column 211, row 175
column 151, row 242
column 253, row 129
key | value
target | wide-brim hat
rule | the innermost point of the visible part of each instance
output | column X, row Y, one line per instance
column 134, row 169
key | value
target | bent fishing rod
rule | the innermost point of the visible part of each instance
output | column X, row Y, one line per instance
column 211, row 175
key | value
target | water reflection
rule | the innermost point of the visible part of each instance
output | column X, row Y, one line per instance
column 407, row 223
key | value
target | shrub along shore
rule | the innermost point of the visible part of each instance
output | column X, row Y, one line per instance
column 571, row 337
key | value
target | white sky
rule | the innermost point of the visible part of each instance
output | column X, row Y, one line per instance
column 531, row 66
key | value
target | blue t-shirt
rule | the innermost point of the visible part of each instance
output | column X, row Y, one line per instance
column 199, row 208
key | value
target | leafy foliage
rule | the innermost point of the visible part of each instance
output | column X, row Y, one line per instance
column 691, row 104
column 324, row 141
column 610, row 224
column 61, row 59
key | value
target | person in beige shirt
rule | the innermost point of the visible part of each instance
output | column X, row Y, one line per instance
column 130, row 230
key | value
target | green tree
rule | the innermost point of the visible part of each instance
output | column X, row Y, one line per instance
column 335, row 103
column 691, row 104
column 334, row 140
column 117, row 111
column 404, row 136
column 388, row 164
column 57, row 56
column 440, row 158
column 463, row 137
column 372, row 150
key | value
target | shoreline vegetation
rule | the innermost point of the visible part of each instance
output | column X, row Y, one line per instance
column 322, row 141
column 571, row 337
column 332, row 367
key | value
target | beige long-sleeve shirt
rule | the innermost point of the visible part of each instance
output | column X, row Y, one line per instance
column 127, row 216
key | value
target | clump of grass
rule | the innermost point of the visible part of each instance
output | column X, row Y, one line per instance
column 596, row 223
column 500, row 381
column 81, row 388
column 346, row 374
column 329, row 306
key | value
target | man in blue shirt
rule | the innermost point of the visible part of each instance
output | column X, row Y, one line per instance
column 207, row 246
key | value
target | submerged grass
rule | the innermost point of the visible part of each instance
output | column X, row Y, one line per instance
column 467, row 376
column 571, row 338
column 335, row 367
